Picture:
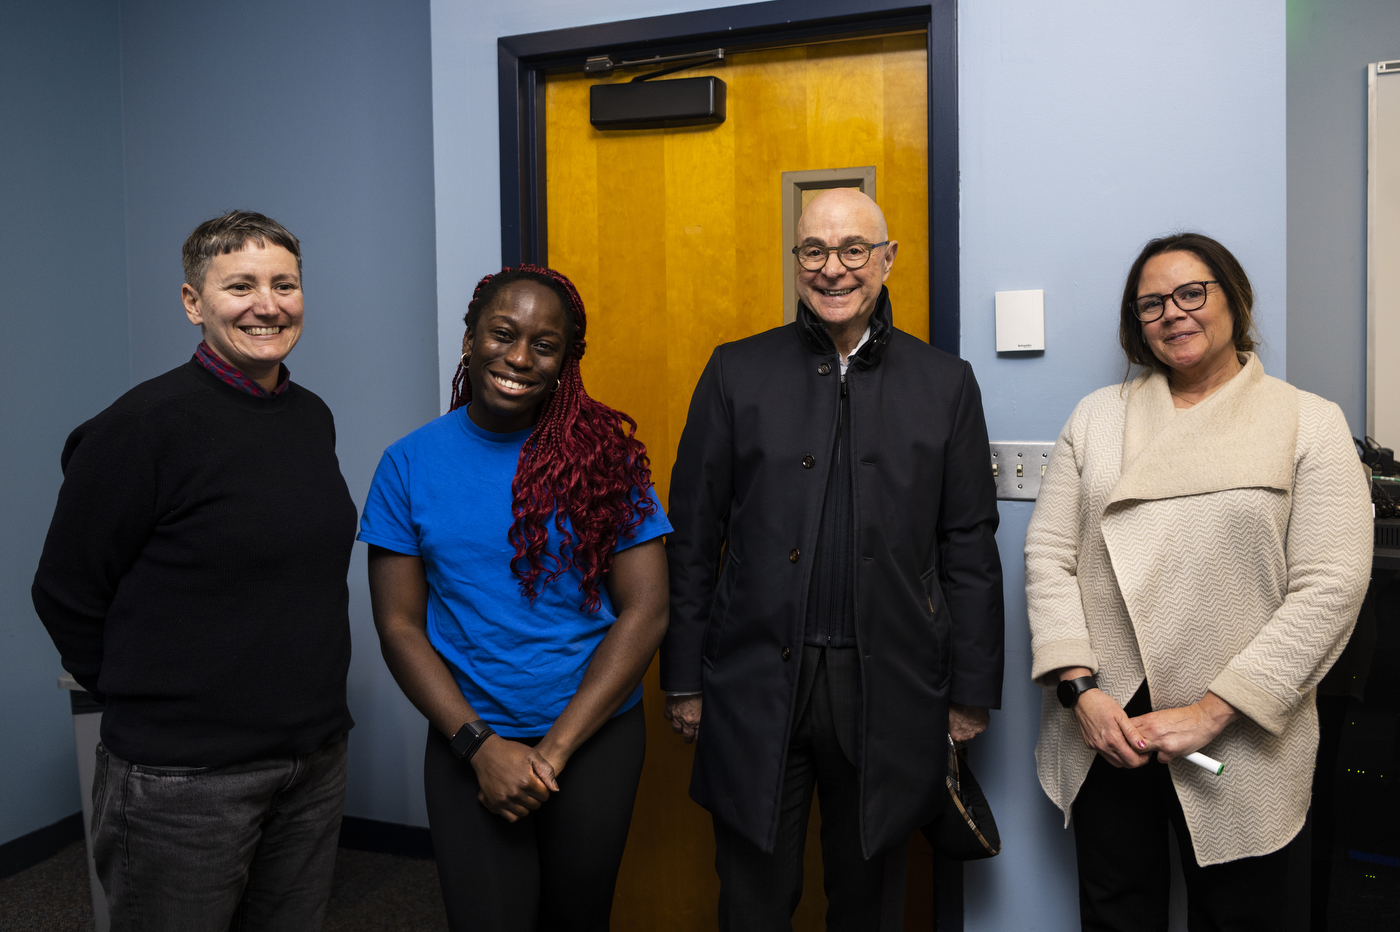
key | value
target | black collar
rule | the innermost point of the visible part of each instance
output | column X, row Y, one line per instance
column 816, row 339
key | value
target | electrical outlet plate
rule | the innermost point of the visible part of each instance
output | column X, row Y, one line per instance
column 1018, row 468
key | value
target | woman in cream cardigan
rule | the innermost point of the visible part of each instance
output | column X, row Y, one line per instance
column 1196, row 560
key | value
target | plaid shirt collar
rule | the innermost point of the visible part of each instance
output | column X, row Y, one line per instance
column 231, row 376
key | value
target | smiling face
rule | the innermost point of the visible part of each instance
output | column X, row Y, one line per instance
column 1190, row 342
column 515, row 354
column 250, row 309
column 844, row 297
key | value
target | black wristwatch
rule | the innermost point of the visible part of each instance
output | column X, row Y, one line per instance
column 469, row 738
column 1069, row 691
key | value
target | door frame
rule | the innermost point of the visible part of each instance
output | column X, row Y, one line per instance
column 523, row 60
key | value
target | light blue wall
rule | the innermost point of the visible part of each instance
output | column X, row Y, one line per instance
column 1330, row 43
column 1070, row 113
column 316, row 113
column 64, row 354
column 1088, row 127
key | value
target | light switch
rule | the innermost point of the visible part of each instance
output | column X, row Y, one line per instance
column 1020, row 321
column 1019, row 467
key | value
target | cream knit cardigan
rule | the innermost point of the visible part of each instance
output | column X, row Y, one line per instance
column 1226, row 547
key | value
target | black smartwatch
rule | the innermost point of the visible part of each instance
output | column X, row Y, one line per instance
column 469, row 738
column 1069, row 691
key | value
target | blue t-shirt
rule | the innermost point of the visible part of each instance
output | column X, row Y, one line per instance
column 443, row 493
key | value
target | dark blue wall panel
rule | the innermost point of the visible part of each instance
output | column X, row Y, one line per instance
column 64, row 353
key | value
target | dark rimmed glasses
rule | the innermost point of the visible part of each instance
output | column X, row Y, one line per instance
column 1189, row 297
column 852, row 255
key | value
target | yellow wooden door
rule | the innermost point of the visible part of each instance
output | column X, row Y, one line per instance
column 674, row 238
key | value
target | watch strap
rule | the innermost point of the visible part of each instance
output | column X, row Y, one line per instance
column 468, row 739
column 1069, row 691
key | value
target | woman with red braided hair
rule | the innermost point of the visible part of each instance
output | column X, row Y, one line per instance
column 519, row 589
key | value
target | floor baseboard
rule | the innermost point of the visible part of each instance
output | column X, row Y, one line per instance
column 359, row 834
column 41, row 844
column 356, row 833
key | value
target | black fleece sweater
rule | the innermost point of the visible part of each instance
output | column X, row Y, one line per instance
column 194, row 573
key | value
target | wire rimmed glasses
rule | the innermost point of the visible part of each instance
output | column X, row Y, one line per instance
column 853, row 256
column 1189, row 297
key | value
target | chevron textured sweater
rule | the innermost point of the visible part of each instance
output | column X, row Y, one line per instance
column 1225, row 548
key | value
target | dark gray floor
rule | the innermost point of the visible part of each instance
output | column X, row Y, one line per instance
column 378, row 892
column 386, row 893
column 51, row 896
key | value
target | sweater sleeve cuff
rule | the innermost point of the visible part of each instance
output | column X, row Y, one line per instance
column 1266, row 709
column 1060, row 654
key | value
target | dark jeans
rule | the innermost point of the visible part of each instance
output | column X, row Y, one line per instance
column 553, row 870
column 759, row 892
column 1120, row 833
column 245, row 847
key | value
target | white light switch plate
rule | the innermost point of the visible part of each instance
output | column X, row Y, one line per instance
column 1020, row 321
column 1018, row 468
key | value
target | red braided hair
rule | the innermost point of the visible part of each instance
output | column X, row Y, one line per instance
column 583, row 462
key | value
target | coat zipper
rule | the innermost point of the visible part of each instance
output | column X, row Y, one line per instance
column 839, row 426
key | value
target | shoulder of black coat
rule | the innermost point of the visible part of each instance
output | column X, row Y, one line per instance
column 761, row 345
column 909, row 349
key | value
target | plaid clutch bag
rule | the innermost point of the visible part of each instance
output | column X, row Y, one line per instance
column 966, row 829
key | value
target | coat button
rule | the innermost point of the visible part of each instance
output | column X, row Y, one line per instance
column 787, row 654
column 809, row 461
column 792, row 557
column 824, row 369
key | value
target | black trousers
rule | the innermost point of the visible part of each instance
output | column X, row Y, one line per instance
column 556, row 868
column 1120, row 833
column 759, row 892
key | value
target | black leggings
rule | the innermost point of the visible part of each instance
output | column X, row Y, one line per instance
column 1120, row 832
column 552, row 870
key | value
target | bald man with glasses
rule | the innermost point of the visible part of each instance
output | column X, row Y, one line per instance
column 836, row 602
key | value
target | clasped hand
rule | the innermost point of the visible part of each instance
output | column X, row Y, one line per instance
column 515, row 778
column 1171, row 733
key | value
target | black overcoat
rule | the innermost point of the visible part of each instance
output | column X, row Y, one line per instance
column 747, row 493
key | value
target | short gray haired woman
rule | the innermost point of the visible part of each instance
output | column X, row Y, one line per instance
column 1195, row 563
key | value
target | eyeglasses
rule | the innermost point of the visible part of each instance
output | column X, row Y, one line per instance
column 1189, row 297
column 852, row 255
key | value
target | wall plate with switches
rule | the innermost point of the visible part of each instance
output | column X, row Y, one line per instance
column 1018, row 468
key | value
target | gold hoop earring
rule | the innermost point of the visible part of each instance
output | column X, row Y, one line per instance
column 555, row 388
column 465, row 364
